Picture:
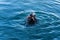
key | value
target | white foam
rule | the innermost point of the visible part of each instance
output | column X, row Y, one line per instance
column 30, row 10
column 49, row 6
column 38, row 11
column 56, row 2
column 20, row 12
column 52, row 31
column 27, row 3
column 5, row 2
column 50, row 13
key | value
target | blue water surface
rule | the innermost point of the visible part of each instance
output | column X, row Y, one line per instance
column 13, row 15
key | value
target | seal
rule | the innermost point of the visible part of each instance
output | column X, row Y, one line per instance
column 31, row 19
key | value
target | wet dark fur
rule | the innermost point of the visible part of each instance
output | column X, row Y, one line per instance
column 31, row 21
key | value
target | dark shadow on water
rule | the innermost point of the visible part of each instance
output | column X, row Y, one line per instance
column 32, row 23
column 13, row 39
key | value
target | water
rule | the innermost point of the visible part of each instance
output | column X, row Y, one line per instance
column 13, row 15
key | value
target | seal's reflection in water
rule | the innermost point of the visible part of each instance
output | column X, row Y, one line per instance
column 31, row 19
